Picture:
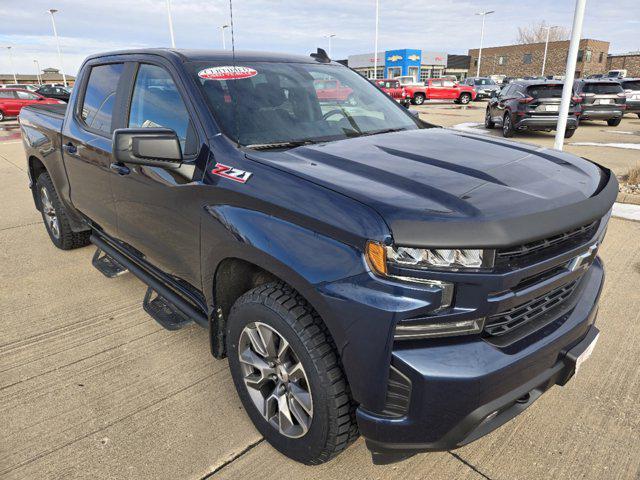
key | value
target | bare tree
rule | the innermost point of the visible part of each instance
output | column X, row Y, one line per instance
column 537, row 32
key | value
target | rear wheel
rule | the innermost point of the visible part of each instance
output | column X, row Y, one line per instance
column 288, row 375
column 488, row 122
column 569, row 133
column 55, row 217
column 614, row 122
column 507, row 126
column 1, row 116
column 465, row 98
column 639, row 115
column 418, row 99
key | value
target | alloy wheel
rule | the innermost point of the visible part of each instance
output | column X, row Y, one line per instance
column 49, row 213
column 275, row 379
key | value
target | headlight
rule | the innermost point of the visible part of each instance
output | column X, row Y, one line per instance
column 440, row 258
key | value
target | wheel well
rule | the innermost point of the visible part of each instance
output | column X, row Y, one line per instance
column 36, row 167
column 234, row 277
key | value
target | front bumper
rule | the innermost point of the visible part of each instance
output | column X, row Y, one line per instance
column 463, row 389
column 545, row 122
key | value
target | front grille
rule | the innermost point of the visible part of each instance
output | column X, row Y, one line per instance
column 504, row 322
column 521, row 255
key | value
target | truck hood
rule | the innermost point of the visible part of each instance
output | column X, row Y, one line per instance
column 441, row 187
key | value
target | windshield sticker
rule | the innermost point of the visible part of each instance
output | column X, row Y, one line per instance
column 231, row 173
column 227, row 73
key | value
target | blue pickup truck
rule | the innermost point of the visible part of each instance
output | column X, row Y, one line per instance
column 364, row 272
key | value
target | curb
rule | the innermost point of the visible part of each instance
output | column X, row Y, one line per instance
column 629, row 198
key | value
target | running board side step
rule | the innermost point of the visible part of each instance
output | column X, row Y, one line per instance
column 169, row 297
column 107, row 265
column 163, row 311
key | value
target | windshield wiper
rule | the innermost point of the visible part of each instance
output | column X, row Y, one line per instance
column 274, row 145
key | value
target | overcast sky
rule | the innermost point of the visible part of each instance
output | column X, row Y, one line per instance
column 294, row 26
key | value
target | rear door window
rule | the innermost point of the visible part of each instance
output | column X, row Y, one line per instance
column 26, row 95
column 100, row 96
column 631, row 85
column 6, row 93
column 602, row 88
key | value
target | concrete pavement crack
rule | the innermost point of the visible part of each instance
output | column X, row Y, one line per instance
column 233, row 458
column 472, row 467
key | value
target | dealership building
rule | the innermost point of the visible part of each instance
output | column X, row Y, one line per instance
column 420, row 64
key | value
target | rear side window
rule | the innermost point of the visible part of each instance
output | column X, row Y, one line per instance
column 26, row 95
column 545, row 91
column 6, row 93
column 157, row 103
column 631, row 85
column 602, row 88
column 100, row 96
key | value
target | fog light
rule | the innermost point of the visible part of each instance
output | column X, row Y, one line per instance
column 413, row 329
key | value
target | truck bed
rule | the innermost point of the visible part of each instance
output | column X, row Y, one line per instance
column 54, row 110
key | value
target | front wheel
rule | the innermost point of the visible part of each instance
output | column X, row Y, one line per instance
column 288, row 375
column 418, row 99
column 465, row 98
column 569, row 133
column 507, row 126
column 614, row 122
column 1, row 116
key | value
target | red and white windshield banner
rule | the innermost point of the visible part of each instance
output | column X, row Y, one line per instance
column 227, row 73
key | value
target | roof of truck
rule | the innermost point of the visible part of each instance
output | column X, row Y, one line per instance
column 201, row 55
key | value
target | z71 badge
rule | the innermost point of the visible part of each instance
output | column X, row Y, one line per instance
column 231, row 173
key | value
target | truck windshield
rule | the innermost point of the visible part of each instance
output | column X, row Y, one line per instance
column 266, row 103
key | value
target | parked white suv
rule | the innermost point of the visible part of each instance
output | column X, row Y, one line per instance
column 631, row 88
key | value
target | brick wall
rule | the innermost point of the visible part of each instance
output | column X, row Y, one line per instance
column 524, row 60
column 630, row 62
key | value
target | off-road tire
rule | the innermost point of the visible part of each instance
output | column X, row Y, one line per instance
column 67, row 239
column 333, row 426
column 614, row 122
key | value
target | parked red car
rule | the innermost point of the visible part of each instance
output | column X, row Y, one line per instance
column 13, row 99
column 332, row 91
column 393, row 88
column 440, row 89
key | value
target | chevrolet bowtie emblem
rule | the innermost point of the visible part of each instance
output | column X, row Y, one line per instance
column 415, row 58
column 394, row 58
column 584, row 259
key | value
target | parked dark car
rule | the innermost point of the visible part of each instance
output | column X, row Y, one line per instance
column 482, row 85
column 530, row 105
column 364, row 272
column 601, row 100
column 631, row 87
column 52, row 91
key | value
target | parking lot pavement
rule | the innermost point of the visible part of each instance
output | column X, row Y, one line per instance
column 598, row 136
column 92, row 387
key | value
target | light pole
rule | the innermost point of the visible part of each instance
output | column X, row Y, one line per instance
column 483, row 15
column 572, row 58
column 224, row 42
column 173, row 40
column 330, row 37
column 15, row 79
column 38, row 72
column 375, row 43
column 55, row 33
column 546, row 46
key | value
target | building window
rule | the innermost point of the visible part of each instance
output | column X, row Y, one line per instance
column 502, row 60
column 587, row 56
column 475, row 62
column 580, row 55
column 527, row 58
column 601, row 57
column 425, row 74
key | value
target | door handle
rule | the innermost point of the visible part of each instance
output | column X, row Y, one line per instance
column 120, row 169
column 70, row 148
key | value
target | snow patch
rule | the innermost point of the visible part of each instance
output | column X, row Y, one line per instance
column 626, row 210
column 472, row 127
column 627, row 146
